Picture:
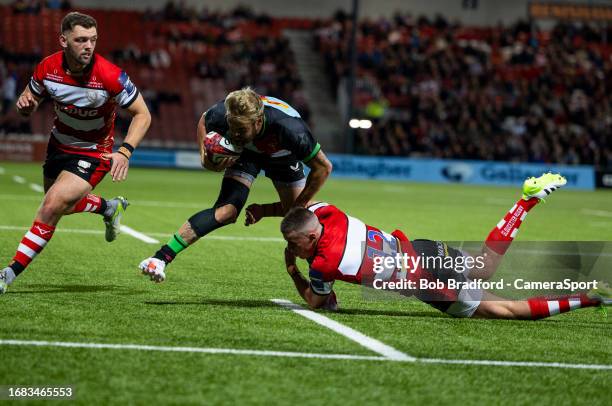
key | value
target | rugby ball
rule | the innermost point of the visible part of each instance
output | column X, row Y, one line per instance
column 218, row 147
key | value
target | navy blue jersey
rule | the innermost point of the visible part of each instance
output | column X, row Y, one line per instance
column 283, row 133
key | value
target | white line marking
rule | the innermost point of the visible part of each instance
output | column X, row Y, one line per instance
column 265, row 353
column 601, row 224
column 159, row 235
column 155, row 203
column 37, row 188
column 2, row 171
column 138, row 235
column 514, row 363
column 19, row 180
column 598, row 213
column 189, row 349
column 354, row 335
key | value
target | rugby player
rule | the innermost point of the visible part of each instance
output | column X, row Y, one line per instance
column 85, row 89
column 340, row 247
column 276, row 140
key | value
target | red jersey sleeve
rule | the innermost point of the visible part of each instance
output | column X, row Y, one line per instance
column 118, row 84
column 321, row 276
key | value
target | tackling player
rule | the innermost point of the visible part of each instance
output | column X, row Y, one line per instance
column 276, row 140
column 340, row 247
column 85, row 89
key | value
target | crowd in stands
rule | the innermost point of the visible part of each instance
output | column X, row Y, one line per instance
column 513, row 93
column 433, row 88
column 183, row 61
column 36, row 6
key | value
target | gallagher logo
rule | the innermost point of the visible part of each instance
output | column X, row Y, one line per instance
column 457, row 172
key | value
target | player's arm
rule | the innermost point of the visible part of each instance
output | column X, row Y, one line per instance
column 28, row 102
column 304, row 288
column 141, row 119
column 320, row 169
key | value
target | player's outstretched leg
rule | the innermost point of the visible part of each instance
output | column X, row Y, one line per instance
column 232, row 197
column 112, row 211
column 500, row 238
column 536, row 308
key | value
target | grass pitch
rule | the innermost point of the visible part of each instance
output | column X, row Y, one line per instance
column 217, row 295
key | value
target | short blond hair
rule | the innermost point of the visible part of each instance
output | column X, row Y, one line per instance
column 243, row 107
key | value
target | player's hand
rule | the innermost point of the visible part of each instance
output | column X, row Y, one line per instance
column 331, row 303
column 26, row 104
column 221, row 165
column 253, row 213
column 119, row 166
column 289, row 258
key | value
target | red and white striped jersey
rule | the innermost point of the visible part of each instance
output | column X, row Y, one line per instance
column 347, row 248
column 85, row 106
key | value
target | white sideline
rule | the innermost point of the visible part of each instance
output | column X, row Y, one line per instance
column 289, row 354
column 138, row 235
column 598, row 213
column 514, row 363
column 37, row 188
column 368, row 342
column 160, row 235
column 2, row 172
column 189, row 349
column 19, row 179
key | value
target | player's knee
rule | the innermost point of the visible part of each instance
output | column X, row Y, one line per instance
column 226, row 214
column 53, row 206
column 233, row 193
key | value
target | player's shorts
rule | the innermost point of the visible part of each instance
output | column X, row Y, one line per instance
column 284, row 171
column 90, row 169
column 455, row 302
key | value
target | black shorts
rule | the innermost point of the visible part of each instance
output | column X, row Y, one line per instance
column 283, row 171
column 90, row 169
column 433, row 254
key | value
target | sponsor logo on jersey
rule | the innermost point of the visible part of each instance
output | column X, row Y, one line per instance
column 125, row 81
column 84, row 164
column 92, row 96
column 75, row 111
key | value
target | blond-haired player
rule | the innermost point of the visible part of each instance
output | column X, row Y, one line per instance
column 276, row 140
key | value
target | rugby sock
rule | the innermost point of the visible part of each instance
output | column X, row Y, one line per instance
column 90, row 203
column 31, row 245
column 501, row 236
column 545, row 307
column 168, row 252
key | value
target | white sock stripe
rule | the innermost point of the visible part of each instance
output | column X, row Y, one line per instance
column 514, row 233
column 513, row 209
column 574, row 304
column 523, row 216
column 553, row 307
column 27, row 251
column 501, row 224
column 41, row 242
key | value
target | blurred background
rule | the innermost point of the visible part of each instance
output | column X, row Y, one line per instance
column 475, row 91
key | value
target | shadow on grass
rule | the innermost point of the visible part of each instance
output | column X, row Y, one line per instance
column 242, row 303
column 63, row 288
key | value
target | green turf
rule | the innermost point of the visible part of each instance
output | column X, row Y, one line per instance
column 82, row 289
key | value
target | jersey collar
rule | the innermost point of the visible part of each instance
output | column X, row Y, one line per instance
column 84, row 72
